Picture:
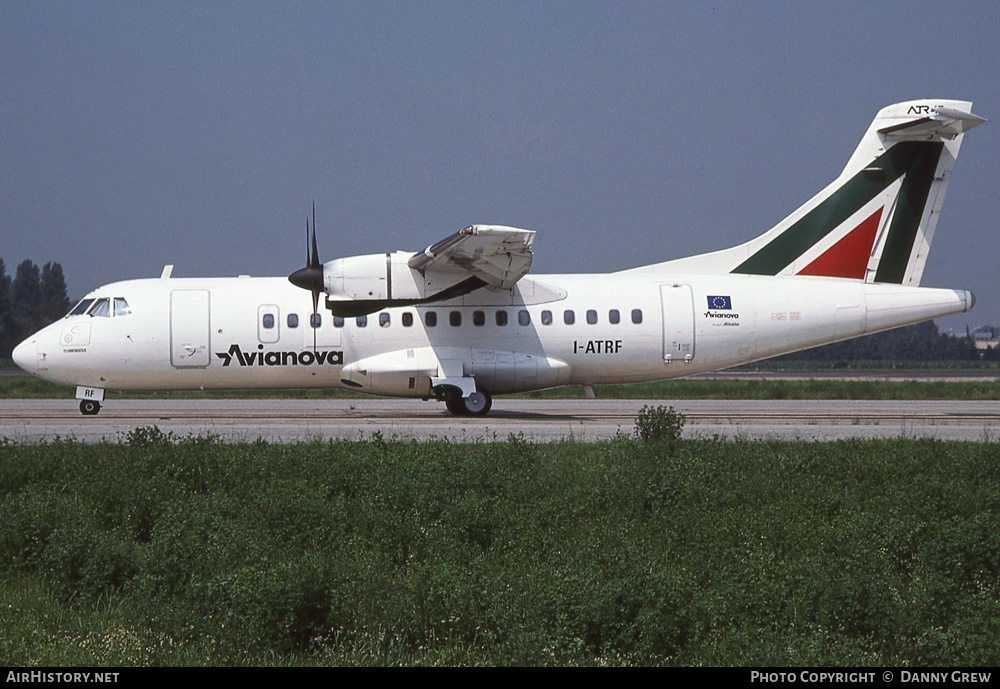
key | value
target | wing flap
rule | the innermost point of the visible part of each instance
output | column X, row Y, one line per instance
column 498, row 255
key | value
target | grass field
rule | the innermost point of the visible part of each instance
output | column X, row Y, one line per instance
column 29, row 387
column 166, row 551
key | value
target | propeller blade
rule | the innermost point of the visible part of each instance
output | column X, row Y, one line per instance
column 315, row 251
column 310, row 277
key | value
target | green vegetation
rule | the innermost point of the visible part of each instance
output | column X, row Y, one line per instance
column 161, row 550
column 659, row 424
column 825, row 389
column 17, row 386
column 920, row 343
column 32, row 300
column 28, row 387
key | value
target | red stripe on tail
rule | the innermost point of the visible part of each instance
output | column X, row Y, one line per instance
column 848, row 258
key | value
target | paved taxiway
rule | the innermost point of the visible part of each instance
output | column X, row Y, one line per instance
column 540, row 420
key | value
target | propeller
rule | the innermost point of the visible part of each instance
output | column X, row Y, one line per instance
column 310, row 277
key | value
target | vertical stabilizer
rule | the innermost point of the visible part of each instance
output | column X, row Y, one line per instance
column 875, row 222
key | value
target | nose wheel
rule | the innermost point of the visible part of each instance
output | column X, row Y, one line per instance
column 90, row 407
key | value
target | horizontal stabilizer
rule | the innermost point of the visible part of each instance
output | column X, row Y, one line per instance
column 945, row 123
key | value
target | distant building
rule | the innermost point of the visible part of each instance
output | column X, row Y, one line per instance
column 986, row 336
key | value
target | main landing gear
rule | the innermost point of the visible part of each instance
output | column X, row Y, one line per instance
column 476, row 404
column 90, row 407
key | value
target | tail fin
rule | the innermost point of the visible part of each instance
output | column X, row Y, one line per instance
column 876, row 220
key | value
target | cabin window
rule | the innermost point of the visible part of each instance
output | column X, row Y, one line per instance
column 268, row 321
column 292, row 320
column 523, row 317
column 501, row 317
column 637, row 316
column 315, row 320
column 338, row 321
column 383, row 320
column 101, row 308
column 479, row 318
column 614, row 318
column 455, row 318
column 121, row 307
column 591, row 317
column 407, row 319
column 361, row 321
column 569, row 317
column 546, row 317
column 81, row 307
column 431, row 319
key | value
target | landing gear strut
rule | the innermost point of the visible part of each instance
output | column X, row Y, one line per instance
column 90, row 407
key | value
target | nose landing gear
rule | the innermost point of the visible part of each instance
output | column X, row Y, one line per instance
column 90, row 407
column 90, row 399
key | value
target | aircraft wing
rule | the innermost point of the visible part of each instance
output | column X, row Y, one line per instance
column 498, row 255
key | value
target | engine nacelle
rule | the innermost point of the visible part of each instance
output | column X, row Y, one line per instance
column 374, row 277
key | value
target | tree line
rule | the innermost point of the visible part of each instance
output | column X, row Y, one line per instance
column 920, row 342
column 31, row 300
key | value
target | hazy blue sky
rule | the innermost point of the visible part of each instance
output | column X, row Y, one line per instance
column 136, row 134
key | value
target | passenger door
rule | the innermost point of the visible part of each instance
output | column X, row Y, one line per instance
column 678, row 323
column 189, row 328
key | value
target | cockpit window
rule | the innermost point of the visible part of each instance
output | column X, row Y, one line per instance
column 121, row 307
column 81, row 308
column 101, row 309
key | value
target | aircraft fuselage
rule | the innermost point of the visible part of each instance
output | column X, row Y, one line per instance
column 462, row 319
column 231, row 333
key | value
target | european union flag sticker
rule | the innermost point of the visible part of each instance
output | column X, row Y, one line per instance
column 720, row 303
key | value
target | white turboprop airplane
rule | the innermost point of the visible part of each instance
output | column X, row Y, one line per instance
column 461, row 320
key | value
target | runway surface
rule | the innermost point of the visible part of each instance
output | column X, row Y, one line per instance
column 33, row 421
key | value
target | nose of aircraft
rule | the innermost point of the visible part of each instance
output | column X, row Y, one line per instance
column 25, row 355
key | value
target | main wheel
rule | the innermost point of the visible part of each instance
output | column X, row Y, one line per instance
column 455, row 404
column 90, row 407
column 478, row 403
